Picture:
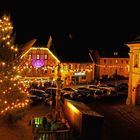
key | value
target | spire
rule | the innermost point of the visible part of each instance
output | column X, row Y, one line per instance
column 49, row 42
column 28, row 45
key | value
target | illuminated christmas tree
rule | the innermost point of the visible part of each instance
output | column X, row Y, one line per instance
column 7, row 39
column 13, row 99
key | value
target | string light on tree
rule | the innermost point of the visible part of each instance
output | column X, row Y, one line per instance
column 8, row 49
column 13, row 95
column 5, row 29
column 14, row 99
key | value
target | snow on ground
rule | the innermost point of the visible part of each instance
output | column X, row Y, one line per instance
column 21, row 130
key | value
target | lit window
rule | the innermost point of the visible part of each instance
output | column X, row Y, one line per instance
column 46, row 56
column 37, row 56
column 30, row 56
column 115, row 53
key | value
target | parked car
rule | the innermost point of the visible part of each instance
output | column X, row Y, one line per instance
column 98, row 93
column 122, row 87
column 108, row 90
column 85, row 94
column 68, row 92
column 93, row 87
column 36, row 96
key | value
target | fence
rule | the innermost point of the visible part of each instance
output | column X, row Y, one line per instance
column 55, row 135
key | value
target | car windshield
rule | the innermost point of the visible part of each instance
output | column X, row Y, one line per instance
column 37, row 92
column 68, row 89
column 111, row 85
column 83, row 89
column 92, row 86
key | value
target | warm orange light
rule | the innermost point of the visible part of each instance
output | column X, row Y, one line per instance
column 73, row 108
column 5, row 102
column 16, row 49
column 12, row 47
column 3, row 63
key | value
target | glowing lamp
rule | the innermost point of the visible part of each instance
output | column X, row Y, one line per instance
column 38, row 63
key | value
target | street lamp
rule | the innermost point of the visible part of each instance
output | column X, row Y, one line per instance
column 90, row 52
column 58, row 96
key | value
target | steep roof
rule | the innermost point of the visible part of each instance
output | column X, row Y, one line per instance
column 70, row 53
column 135, row 41
column 113, row 53
column 28, row 45
column 64, row 54
column 74, row 56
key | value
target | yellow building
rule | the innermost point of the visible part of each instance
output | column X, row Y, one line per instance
column 41, row 64
column 110, row 64
column 113, row 66
column 77, row 73
column 134, row 73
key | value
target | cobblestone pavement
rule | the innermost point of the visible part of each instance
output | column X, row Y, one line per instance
column 130, row 113
column 121, row 121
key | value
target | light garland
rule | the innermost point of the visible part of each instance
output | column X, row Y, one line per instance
column 111, row 66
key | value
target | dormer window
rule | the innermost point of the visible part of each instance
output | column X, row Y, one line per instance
column 115, row 53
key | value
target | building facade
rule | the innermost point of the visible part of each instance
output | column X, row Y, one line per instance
column 134, row 74
column 77, row 73
column 109, row 67
column 111, row 63
column 40, row 64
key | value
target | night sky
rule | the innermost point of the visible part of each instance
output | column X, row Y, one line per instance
column 75, row 26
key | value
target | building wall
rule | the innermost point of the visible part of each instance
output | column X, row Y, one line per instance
column 112, row 66
column 70, row 73
column 134, row 74
column 76, row 73
column 31, row 61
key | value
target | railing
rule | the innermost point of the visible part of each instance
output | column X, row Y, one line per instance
column 55, row 135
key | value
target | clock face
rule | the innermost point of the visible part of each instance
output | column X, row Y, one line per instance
column 38, row 63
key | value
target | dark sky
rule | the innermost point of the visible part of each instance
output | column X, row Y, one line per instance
column 74, row 25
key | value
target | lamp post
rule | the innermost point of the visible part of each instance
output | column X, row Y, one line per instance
column 90, row 52
column 58, row 96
